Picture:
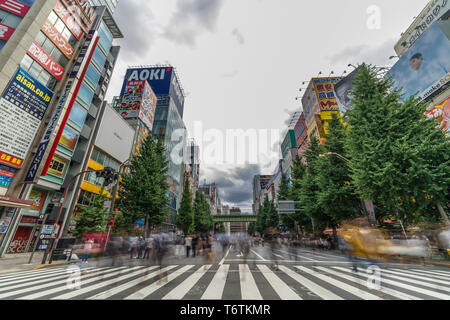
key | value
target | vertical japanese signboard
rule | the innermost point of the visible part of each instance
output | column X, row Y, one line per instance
column 324, row 88
column 59, row 41
column 22, row 108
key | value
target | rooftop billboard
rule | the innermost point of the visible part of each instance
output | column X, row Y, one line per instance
column 325, row 94
column 424, row 68
column 163, row 81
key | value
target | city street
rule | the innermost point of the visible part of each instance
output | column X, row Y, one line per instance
column 301, row 274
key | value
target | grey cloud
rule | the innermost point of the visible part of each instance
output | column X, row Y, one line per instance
column 191, row 18
column 238, row 35
column 230, row 75
column 377, row 55
column 235, row 185
column 136, row 20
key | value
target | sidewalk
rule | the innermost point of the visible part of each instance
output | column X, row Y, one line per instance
column 19, row 262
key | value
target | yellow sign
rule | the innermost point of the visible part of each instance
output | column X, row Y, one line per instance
column 324, row 88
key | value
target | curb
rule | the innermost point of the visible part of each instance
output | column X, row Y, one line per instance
column 441, row 264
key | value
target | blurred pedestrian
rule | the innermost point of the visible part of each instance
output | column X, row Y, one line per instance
column 141, row 247
column 87, row 249
column 188, row 243
column 133, row 245
column 148, row 247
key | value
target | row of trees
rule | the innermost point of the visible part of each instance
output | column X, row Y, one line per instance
column 384, row 150
column 196, row 217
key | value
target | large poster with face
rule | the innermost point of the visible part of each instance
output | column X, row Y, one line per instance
column 424, row 68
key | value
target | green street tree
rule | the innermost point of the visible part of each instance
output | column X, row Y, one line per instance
column 203, row 221
column 273, row 219
column 143, row 189
column 185, row 216
column 309, row 190
column 302, row 219
column 94, row 217
column 261, row 219
column 251, row 228
column 337, row 196
column 397, row 157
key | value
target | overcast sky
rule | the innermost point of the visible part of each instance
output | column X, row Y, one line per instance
column 242, row 62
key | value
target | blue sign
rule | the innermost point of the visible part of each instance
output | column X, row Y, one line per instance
column 139, row 223
column 48, row 132
column 28, row 94
column 163, row 81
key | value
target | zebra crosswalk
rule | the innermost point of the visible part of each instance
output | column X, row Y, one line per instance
column 217, row 282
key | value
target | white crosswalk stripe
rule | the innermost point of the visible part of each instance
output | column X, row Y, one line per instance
column 209, row 282
column 128, row 285
column 394, row 293
column 249, row 290
column 408, row 287
column 315, row 288
column 339, row 284
column 215, row 288
column 180, row 291
column 429, row 276
column 146, row 291
column 281, row 288
column 447, row 283
column 435, row 272
column 75, row 293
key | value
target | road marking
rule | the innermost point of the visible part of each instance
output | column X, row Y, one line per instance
column 258, row 255
column 88, row 278
column 282, row 289
column 420, row 273
column 21, row 279
column 75, row 293
column 421, row 283
column 418, row 277
column 28, row 273
column 435, row 272
column 297, row 255
column 409, row 287
column 394, row 293
column 339, row 284
column 128, row 285
column 315, row 288
column 182, row 289
column 249, row 290
column 215, row 288
column 226, row 255
column 27, row 282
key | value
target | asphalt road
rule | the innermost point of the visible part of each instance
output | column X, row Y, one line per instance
column 266, row 273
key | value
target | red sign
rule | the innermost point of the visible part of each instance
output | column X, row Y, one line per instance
column 70, row 22
column 69, row 108
column 15, row 7
column 29, row 219
column 10, row 159
column 47, row 62
column 54, row 35
column 5, row 32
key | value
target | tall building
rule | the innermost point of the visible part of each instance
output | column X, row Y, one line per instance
column 260, row 183
column 301, row 136
column 64, row 49
column 211, row 193
column 168, row 123
column 192, row 161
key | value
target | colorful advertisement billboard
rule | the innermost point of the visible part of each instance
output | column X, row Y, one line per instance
column 424, row 68
column 325, row 93
column 342, row 91
column 6, row 176
column 38, row 198
column 69, row 21
column 69, row 139
column 22, row 108
column 139, row 101
column 162, row 80
column 441, row 113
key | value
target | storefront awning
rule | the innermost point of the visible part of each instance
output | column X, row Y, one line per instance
column 15, row 203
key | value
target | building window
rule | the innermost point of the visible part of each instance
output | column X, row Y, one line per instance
column 38, row 72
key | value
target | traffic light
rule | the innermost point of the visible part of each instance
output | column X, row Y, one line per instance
column 108, row 174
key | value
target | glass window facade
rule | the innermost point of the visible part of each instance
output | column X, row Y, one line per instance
column 106, row 38
column 85, row 95
column 38, row 72
column 92, row 76
column 103, row 160
column 99, row 59
column 77, row 116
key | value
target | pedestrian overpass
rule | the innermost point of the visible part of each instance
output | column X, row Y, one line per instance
column 235, row 218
